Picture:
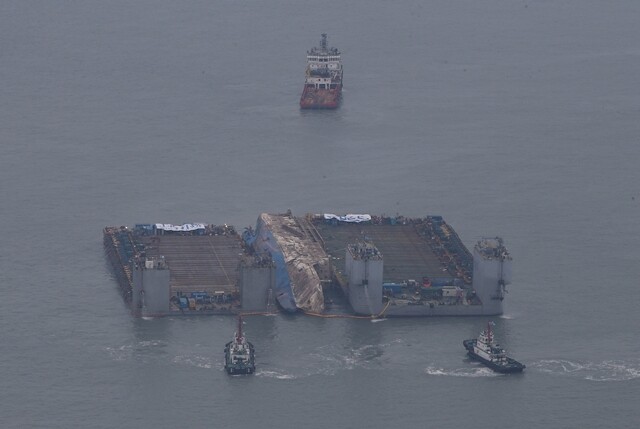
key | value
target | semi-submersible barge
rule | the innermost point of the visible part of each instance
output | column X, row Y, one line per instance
column 384, row 266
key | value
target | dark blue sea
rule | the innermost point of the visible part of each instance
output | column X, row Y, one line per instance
column 511, row 118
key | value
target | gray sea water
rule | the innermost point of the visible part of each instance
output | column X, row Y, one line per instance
column 517, row 118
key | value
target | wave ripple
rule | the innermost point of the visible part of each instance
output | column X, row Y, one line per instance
column 609, row 370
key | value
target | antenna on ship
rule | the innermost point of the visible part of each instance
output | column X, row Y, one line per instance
column 239, row 331
column 323, row 42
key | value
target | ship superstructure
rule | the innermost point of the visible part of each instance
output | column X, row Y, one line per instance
column 323, row 78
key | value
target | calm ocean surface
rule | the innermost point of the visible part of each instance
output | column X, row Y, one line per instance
column 508, row 117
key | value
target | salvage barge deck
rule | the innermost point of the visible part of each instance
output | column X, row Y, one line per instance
column 397, row 266
column 391, row 266
column 201, row 264
column 408, row 253
column 206, row 263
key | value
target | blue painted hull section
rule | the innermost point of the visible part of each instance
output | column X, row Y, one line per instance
column 263, row 241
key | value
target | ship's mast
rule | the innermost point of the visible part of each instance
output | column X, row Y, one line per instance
column 323, row 42
column 239, row 331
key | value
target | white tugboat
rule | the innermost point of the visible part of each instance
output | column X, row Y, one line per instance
column 239, row 354
column 487, row 351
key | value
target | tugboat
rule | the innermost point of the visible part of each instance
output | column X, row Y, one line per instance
column 239, row 354
column 488, row 352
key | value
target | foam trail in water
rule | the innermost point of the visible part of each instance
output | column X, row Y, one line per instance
column 196, row 361
column 472, row 372
column 604, row 371
column 274, row 374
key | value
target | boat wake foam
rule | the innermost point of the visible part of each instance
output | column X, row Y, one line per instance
column 195, row 361
column 141, row 350
column 121, row 353
column 275, row 374
column 330, row 360
column 463, row 372
column 609, row 370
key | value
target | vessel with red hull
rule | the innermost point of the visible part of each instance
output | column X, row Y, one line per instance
column 323, row 80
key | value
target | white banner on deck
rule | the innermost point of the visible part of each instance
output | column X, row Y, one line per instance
column 355, row 218
column 183, row 228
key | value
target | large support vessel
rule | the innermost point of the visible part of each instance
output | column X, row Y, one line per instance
column 323, row 78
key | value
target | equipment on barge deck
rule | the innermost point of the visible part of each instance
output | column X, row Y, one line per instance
column 485, row 350
column 239, row 354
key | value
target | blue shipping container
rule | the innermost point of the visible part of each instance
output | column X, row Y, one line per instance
column 394, row 288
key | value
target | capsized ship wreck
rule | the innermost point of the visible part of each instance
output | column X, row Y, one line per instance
column 323, row 78
column 302, row 265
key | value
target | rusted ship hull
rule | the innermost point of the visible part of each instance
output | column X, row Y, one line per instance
column 313, row 98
